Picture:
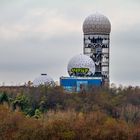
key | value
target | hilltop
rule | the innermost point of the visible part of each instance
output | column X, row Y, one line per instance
column 40, row 113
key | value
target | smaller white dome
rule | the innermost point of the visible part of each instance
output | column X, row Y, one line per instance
column 43, row 79
column 96, row 23
column 81, row 65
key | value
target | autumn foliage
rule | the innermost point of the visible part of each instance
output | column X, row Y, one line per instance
column 46, row 113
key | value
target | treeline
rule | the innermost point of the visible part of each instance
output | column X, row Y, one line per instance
column 50, row 113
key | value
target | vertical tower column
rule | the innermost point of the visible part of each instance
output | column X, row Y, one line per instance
column 96, row 30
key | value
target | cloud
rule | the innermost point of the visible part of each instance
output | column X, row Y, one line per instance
column 125, row 46
column 42, row 36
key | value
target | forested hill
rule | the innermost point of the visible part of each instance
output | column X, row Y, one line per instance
column 50, row 113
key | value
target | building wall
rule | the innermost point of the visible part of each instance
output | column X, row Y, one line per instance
column 97, row 47
column 78, row 84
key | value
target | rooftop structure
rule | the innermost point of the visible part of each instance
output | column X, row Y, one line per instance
column 81, row 65
column 43, row 79
column 96, row 23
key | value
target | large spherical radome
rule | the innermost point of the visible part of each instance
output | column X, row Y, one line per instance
column 81, row 65
column 43, row 79
column 96, row 23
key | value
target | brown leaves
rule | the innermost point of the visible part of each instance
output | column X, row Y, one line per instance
column 66, row 125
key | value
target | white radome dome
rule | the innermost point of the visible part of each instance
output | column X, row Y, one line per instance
column 96, row 23
column 43, row 79
column 83, row 63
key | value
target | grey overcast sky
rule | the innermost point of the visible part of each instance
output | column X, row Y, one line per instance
column 41, row 36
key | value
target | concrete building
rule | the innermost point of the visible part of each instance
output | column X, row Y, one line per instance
column 96, row 29
column 92, row 67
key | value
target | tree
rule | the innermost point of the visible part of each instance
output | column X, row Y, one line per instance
column 22, row 102
column 37, row 114
column 3, row 98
